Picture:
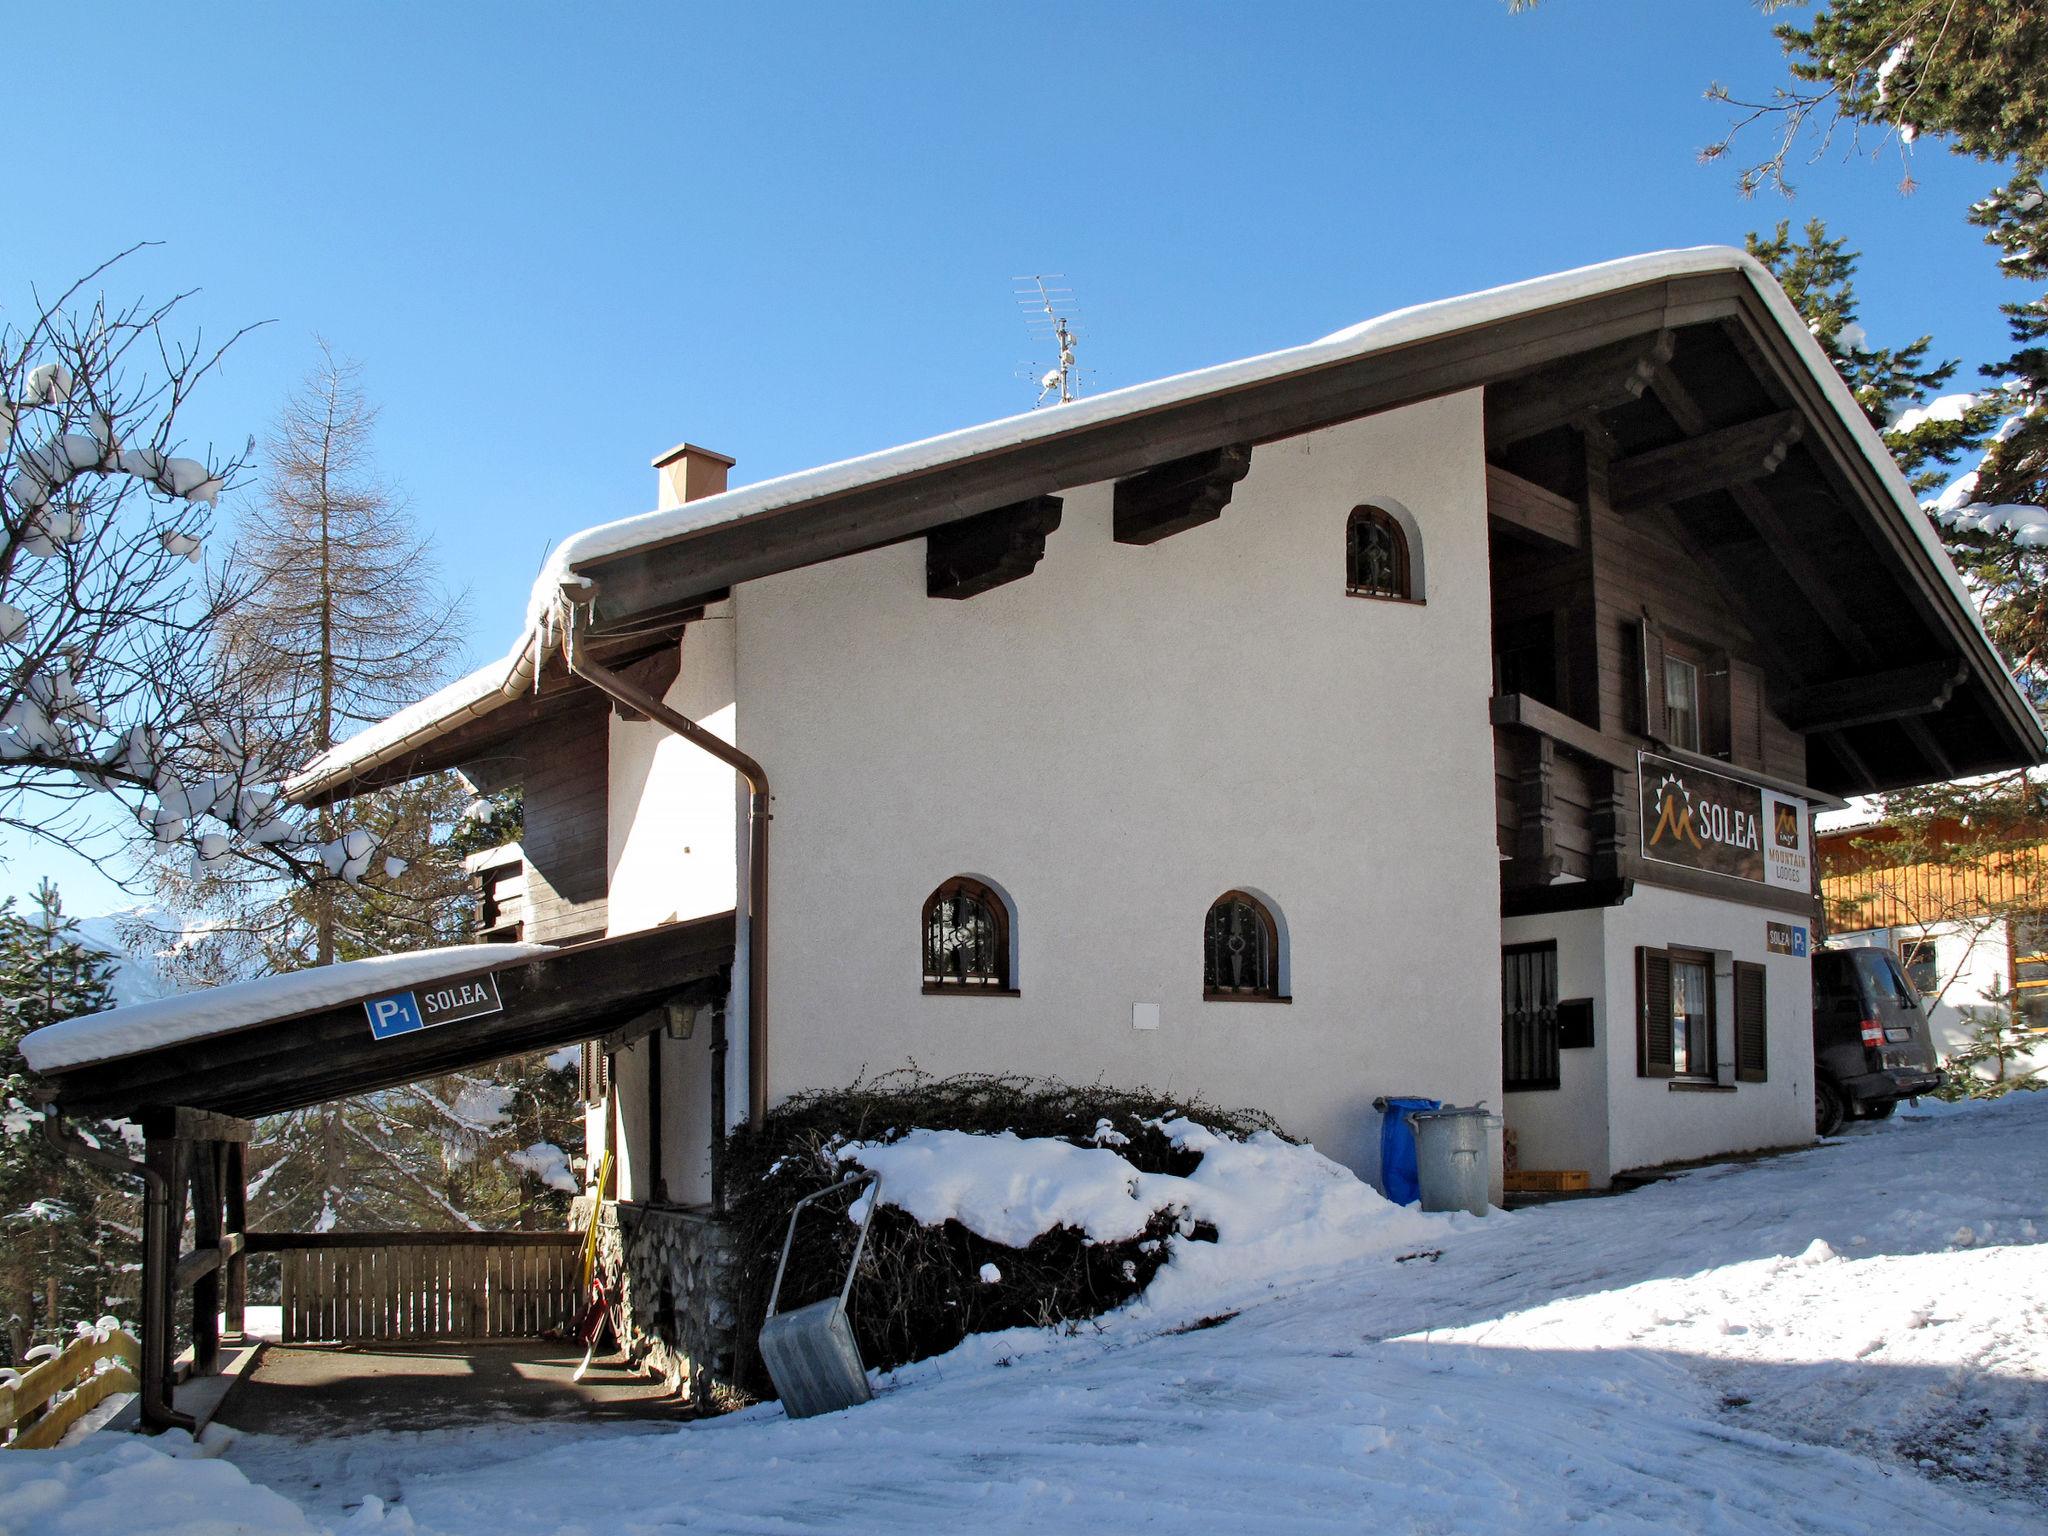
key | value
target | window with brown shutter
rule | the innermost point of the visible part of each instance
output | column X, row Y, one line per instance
column 593, row 1073
column 1653, row 1013
column 1752, row 1024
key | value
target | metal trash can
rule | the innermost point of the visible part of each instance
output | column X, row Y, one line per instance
column 1450, row 1157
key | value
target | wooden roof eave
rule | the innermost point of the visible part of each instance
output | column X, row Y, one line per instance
column 578, row 993
column 1836, row 445
column 696, row 564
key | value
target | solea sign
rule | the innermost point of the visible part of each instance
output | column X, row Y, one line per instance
column 1708, row 821
column 449, row 1002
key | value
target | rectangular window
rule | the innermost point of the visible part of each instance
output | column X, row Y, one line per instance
column 1675, row 1018
column 1923, row 966
column 1692, row 1015
column 1528, row 1016
column 1681, row 702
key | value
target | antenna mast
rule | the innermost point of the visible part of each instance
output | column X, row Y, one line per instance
column 1042, row 304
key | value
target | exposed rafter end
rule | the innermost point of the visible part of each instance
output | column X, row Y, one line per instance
column 1601, row 380
column 1172, row 498
column 967, row 558
column 1713, row 461
column 1899, row 694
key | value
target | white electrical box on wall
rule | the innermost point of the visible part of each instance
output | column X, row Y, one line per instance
column 1144, row 1015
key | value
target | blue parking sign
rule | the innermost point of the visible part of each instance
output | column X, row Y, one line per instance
column 395, row 1014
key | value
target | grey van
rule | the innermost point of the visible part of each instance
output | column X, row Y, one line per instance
column 1871, row 1043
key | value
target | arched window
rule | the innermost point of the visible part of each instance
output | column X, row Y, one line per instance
column 1240, row 949
column 1376, row 560
column 966, row 938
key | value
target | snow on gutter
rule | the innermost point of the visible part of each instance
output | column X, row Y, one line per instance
column 560, row 584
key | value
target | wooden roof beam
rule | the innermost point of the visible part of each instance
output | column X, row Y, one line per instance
column 1600, row 380
column 1897, row 694
column 1713, row 461
column 1172, row 498
column 979, row 553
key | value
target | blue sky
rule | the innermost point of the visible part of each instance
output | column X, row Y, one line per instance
column 561, row 238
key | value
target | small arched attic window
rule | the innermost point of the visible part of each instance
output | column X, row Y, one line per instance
column 1377, row 559
column 967, row 939
column 1241, row 950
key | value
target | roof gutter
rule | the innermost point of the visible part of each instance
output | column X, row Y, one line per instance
column 640, row 701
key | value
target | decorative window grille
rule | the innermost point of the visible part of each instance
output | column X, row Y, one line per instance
column 1528, row 1016
column 1375, row 555
column 1240, row 949
column 966, row 939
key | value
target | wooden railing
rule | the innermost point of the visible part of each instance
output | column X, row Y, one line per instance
column 424, row 1285
column 52, row 1396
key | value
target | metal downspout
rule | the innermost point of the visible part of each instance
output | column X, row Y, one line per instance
column 640, row 701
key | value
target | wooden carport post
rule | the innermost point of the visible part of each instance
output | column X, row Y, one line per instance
column 187, row 1150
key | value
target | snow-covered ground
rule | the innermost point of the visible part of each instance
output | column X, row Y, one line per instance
column 1846, row 1340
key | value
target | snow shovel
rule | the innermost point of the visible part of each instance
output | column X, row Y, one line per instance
column 810, row 1353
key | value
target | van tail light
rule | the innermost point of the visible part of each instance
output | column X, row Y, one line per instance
column 1873, row 1034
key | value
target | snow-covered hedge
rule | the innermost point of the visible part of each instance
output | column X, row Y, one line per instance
column 1030, row 1203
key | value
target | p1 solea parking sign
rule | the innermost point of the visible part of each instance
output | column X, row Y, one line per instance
column 400, row 1013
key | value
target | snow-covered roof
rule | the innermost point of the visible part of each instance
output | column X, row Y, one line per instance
column 243, row 1004
column 491, row 858
column 559, row 579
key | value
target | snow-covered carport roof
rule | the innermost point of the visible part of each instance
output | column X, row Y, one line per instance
column 1684, row 354
column 283, row 1042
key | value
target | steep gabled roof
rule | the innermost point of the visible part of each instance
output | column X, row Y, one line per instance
column 641, row 572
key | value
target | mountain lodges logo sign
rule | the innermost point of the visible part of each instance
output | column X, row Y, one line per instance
column 1709, row 821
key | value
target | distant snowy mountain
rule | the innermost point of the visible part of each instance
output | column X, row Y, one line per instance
column 139, row 975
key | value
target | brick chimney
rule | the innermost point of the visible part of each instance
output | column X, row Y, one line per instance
column 689, row 473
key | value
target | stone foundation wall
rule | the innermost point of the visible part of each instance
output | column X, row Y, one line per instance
column 673, row 1269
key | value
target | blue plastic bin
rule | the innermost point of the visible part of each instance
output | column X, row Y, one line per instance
column 1398, row 1178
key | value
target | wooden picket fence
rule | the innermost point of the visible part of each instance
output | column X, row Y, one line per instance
column 424, row 1285
column 55, row 1394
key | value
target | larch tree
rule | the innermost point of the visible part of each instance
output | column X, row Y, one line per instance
column 344, row 619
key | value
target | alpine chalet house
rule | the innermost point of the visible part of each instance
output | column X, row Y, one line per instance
column 1438, row 709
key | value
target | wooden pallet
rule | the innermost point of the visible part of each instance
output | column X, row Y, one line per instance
column 1537, row 1181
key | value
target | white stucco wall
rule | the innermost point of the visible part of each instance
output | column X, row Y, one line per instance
column 1566, row 1127
column 1606, row 1119
column 674, row 852
column 1116, row 740
column 1650, row 1122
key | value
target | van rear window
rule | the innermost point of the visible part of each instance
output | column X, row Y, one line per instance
column 1881, row 973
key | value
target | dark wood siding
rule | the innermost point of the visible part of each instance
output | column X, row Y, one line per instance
column 565, row 776
column 1639, row 570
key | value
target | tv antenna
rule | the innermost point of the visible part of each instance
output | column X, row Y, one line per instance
column 1043, row 303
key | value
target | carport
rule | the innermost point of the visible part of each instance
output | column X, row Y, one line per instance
column 377, row 1024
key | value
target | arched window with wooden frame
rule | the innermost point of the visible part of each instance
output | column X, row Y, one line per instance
column 967, row 940
column 1240, row 950
column 1376, row 556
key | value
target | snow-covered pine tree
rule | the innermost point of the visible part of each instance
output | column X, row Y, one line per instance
column 69, row 1232
column 1973, row 75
